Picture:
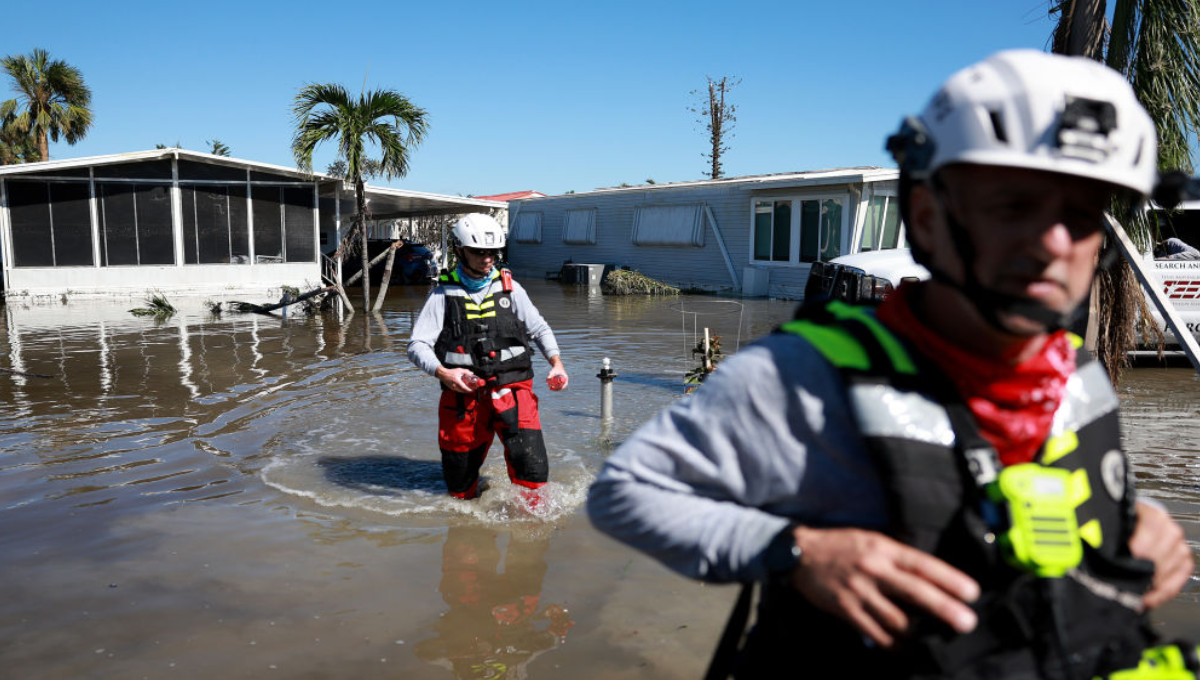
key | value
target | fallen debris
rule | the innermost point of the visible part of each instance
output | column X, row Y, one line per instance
column 157, row 306
column 627, row 282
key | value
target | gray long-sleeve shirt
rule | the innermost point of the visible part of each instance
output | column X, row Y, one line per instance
column 429, row 325
column 769, row 437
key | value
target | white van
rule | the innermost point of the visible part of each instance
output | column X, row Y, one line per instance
column 868, row 277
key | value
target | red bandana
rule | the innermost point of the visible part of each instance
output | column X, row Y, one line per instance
column 1014, row 404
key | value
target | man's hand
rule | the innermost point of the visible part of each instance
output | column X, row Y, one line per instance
column 1159, row 539
column 454, row 379
column 557, row 369
column 863, row 577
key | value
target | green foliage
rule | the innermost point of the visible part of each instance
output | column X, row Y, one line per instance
column 52, row 100
column 157, row 307
column 18, row 147
column 217, row 148
column 386, row 118
column 371, row 168
column 626, row 282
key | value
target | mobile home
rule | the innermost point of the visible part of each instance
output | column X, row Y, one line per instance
column 756, row 235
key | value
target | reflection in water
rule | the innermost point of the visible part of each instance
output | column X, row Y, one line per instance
column 495, row 624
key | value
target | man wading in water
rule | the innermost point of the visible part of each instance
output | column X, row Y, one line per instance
column 935, row 488
column 474, row 336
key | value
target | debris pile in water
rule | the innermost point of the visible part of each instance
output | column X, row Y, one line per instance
column 157, row 306
column 626, row 282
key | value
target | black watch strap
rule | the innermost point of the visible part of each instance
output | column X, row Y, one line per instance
column 782, row 554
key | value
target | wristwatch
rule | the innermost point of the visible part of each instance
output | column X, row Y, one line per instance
column 782, row 555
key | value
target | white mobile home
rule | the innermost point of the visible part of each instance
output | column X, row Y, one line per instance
column 756, row 235
column 180, row 221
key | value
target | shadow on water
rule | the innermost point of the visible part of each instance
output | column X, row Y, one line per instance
column 652, row 380
column 384, row 475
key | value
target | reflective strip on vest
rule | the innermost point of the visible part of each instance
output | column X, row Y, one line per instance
column 1089, row 396
column 485, row 315
column 509, row 353
column 884, row 411
column 458, row 359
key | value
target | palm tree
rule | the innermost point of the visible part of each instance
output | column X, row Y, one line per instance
column 1156, row 45
column 52, row 100
column 385, row 118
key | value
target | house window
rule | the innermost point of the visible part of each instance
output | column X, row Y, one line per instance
column 135, row 224
column 528, row 228
column 772, row 231
column 283, row 224
column 797, row 230
column 579, row 227
column 669, row 225
column 215, row 228
column 881, row 228
column 51, row 224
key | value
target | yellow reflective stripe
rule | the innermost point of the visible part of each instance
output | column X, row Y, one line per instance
column 1059, row 445
column 487, row 304
column 838, row 346
column 485, row 315
column 895, row 351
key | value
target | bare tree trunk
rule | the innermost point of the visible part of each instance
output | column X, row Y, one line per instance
column 374, row 261
column 387, row 275
column 715, row 114
column 43, row 146
column 360, row 194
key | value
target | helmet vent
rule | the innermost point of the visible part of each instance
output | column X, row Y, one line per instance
column 998, row 126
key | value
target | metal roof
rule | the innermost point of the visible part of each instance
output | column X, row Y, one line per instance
column 864, row 173
column 385, row 203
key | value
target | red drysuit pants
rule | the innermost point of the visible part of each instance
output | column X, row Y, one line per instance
column 467, row 423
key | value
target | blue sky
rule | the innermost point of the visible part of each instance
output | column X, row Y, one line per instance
column 545, row 96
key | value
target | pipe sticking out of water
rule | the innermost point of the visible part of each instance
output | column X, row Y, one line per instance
column 606, row 376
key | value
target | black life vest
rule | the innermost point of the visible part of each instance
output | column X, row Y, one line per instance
column 486, row 337
column 926, row 444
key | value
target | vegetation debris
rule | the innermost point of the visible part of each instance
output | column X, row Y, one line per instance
column 157, row 306
column 627, row 282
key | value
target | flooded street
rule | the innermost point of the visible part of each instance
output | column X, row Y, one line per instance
column 245, row 495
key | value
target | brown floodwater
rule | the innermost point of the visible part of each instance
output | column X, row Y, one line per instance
column 247, row 496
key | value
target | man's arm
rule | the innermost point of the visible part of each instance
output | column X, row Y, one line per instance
column 540, row 333
column 424, row 334
column 535, row 326
column 706, row 486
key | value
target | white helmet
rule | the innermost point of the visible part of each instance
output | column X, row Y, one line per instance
column 478, row 231
column 1030, row 109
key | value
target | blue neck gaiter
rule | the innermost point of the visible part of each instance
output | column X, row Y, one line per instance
column 473, row 284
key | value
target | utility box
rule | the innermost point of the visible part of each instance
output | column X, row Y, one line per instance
column 583, row 274
column 755, row 281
